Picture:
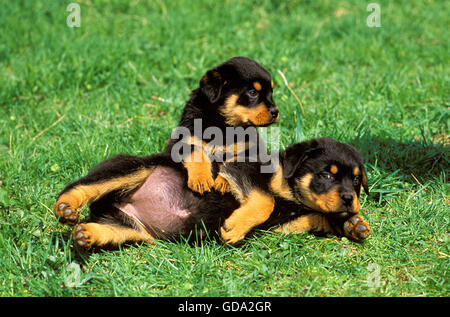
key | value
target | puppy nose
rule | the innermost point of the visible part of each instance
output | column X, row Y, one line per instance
column 347, row 199
column 274, row 112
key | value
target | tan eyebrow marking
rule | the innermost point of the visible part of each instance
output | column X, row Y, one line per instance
column 257, row 85
column 333, row 169
column 355, row 171
column 271, row 83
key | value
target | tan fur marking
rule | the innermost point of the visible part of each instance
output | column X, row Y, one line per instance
column 355, row 171
column 258, row 115
column 364, row 179
column 334, row 169
column 356, row 203
column 96, row 234
column 200, row 178
column 236, row 115
column 221, row 184
column 257, row 85
column 279, row 185
column 327, row 202
column 256, row 209
column 234, row 188
column 271, row 84
column 306, row 223
column 198, row 165
column 227, row 110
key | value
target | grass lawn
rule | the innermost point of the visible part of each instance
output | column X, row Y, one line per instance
column 72, row 97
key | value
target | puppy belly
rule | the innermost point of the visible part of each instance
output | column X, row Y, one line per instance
column 163, row 204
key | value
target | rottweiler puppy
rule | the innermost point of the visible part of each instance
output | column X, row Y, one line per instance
column 316, row 187
column 236, row 93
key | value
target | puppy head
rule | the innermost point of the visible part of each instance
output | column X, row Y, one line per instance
column 241, row 90
column 325, row 175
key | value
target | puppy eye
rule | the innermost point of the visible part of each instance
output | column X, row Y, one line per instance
column 356, row 180
column 252, row 93
column 326, row 175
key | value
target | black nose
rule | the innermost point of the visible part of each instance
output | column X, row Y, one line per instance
column 347, row 199
column 274, row 112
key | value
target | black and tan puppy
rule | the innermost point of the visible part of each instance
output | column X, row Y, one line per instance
column 236, row 93
column 316, row 188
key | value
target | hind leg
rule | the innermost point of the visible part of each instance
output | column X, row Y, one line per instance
column 121, row 173
column 69, row 202
column 108, row 226
column 92, row 234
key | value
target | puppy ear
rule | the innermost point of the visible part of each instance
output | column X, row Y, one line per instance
column 211, row 85
column 365, row 183
column 296, row 154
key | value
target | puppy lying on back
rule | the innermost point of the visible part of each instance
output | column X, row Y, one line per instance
column 316, row 188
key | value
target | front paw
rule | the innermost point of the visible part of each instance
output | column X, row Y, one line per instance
column 232, row 232
column 201, row 183
column 221, row 185
column 356, row 229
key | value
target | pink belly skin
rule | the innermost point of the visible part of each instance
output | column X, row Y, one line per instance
column 162, row 204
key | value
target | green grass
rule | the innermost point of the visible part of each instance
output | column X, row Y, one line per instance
column 70, row 98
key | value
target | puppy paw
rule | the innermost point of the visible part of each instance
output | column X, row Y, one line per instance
column 66, row 213
column 83, row 237
column 356, row 229
column 201, row 183
column 221, row 185
column 232, row 232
